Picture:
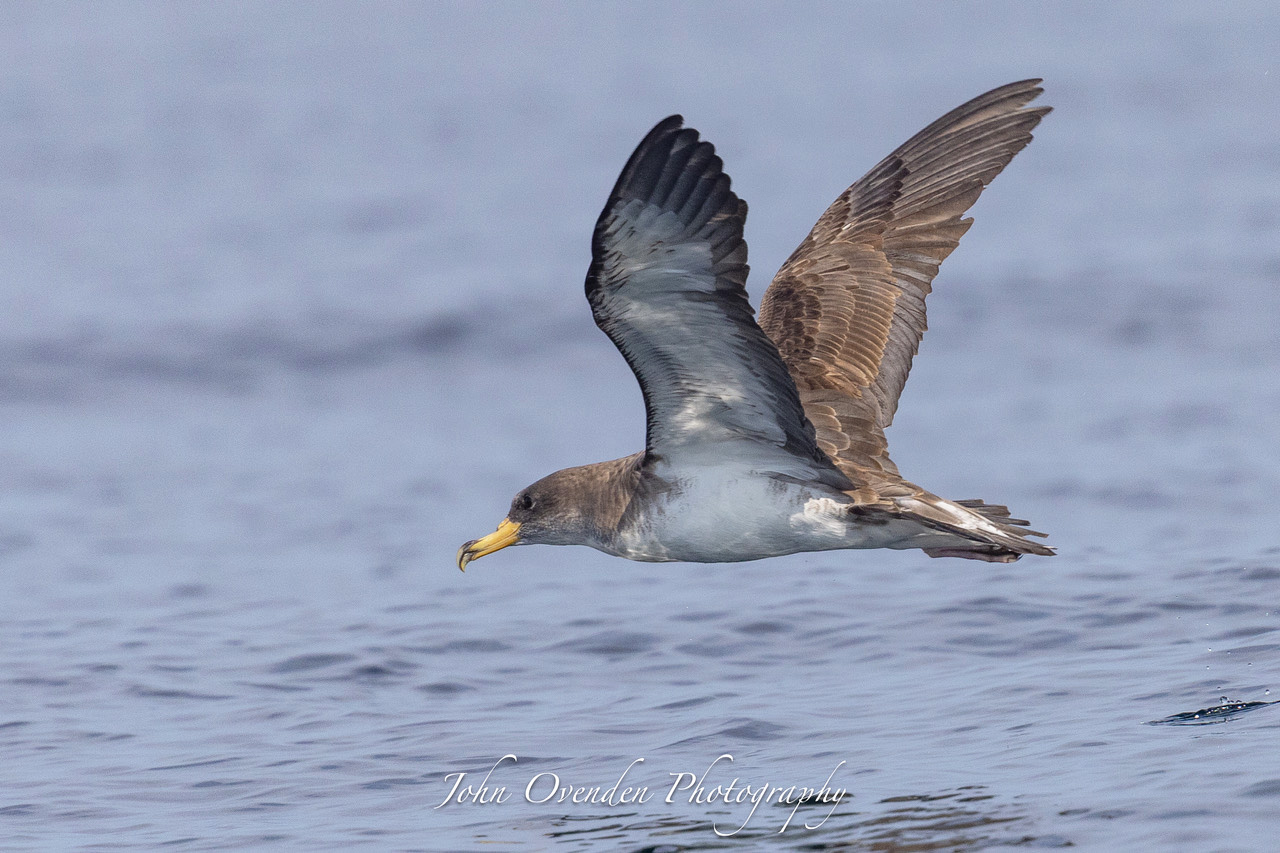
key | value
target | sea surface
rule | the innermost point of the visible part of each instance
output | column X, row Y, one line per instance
column 292, row 307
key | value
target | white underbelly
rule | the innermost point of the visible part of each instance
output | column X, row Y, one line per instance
column 749, row 517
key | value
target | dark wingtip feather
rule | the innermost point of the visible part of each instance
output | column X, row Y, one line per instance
column 676, row 170
column 647, row 153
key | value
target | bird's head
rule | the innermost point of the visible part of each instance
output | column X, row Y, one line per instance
column 552, row 511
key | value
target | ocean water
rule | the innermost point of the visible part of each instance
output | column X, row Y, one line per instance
column 293, row 306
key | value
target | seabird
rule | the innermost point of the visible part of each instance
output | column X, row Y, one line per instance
column 767, row 438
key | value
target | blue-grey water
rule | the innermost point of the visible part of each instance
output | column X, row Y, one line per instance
column 292, row 307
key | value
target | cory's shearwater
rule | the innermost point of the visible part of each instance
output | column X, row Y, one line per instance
column 767, row 439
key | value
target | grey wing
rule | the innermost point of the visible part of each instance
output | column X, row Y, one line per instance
column 666, row 285
column 847, row 309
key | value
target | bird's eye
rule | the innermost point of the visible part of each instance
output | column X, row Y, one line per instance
column 526, row 502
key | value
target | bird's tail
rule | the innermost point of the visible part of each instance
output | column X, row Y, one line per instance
column 972, row 529
column 988, row 533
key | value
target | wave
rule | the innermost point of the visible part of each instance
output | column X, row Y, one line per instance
column 233, row 357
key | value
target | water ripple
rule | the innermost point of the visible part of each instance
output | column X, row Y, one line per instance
column 1225, row 711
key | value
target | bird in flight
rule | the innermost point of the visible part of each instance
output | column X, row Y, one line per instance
column 768, row 438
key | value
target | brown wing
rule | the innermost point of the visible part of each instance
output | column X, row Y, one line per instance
column 847, row 308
